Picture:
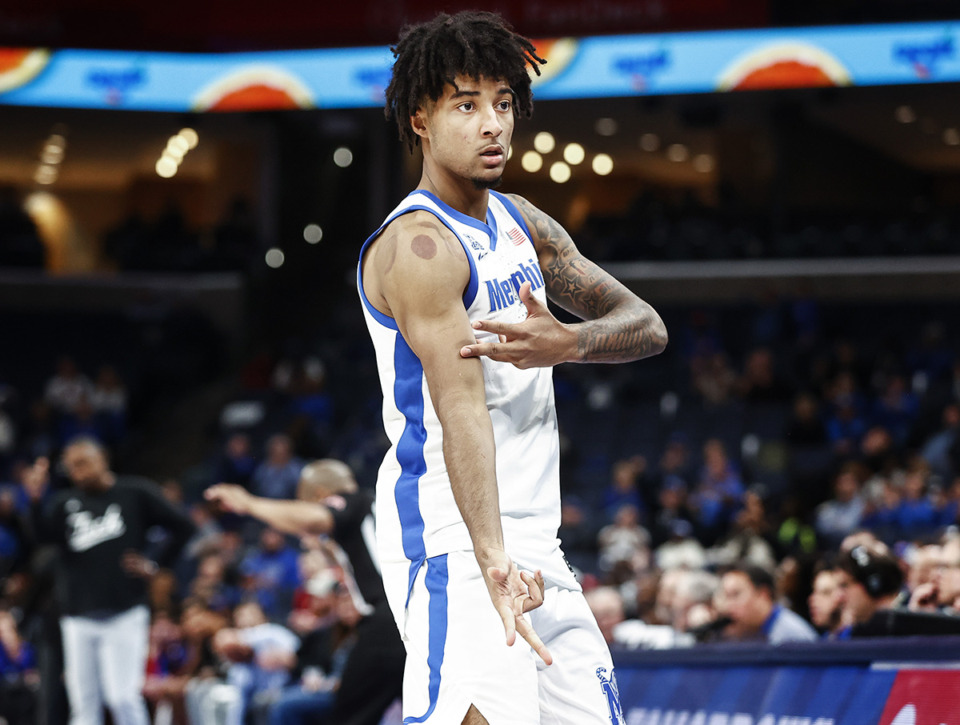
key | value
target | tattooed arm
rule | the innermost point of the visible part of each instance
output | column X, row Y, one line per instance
column 617, row 325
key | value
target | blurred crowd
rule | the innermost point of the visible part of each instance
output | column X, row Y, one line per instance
column 772, row 479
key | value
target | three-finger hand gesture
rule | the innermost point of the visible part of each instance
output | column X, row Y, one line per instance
column 513, row 593
column 539, row 341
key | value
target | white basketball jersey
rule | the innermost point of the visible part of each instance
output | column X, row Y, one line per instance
column 417, row 516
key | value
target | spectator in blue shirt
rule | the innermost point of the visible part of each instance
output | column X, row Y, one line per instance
column 271, row 574
column 277, row 476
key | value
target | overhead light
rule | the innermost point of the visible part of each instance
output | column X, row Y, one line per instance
column 649, row 142
column 45, row 174
column 531, row 161
column 274, row 258
column 560, row 172
column 166, row 167
column 677, row 152
column 544, row 142
column 574, row 154
column 190, row 136
column 51, row 154
column 343, row 157
column 510, row 152
column 178, row 143
column 703, row 163
column 312, row 233
column 905, row 114
column 602, row 164
column 605, row 126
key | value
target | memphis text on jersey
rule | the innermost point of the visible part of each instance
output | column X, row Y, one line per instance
column 503, row 293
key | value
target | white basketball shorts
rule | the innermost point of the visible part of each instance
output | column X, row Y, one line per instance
column 457, row 653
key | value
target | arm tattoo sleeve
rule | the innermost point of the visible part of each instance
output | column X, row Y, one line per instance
column 618, row 326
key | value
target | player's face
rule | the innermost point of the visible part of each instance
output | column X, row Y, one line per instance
column 467, row 132
column 825, row 600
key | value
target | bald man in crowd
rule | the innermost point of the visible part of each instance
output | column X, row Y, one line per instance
column 329, row 502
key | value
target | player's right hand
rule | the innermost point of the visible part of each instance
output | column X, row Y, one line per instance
column 230, row 497
column 514, row 592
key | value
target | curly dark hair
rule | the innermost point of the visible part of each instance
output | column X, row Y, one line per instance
column 471, row 43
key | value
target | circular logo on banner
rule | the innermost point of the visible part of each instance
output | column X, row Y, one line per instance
column 255, row 88
column 784, row 65
column 19, row 66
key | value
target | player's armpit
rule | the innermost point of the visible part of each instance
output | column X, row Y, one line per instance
column 619, row 325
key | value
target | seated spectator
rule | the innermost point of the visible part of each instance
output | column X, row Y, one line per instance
column 606, row 603
column 692, row 603
column 672, row 506
column 747, row 598
column 270, row 574
column 19, row 679
column 259, row 656
column 713, row 378
column 881, row 516
column 916, row 516
column 624, row 487
column 166, row 659
column 760, row 382
column 13, row 535
column 870, row 580
column 719, row 493
column 67, row 387
column 577, row 534
column 212, row 585
column 321, row 660
column 805, row 428
column 896, row 408
column 681, row 549
column 826, row 602
column 277, row 476
column 109, row 402
column 81, row 422
column 942, row 592
column 625, row 540
column 838, row 517
column 936, row 450
column 746, row 541
column 845, row 422
column 236, row 464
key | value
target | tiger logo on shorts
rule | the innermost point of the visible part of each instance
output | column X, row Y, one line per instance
column 609, row 687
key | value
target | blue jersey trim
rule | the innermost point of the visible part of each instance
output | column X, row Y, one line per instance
column 468, row 296
column 488, row 228
column 408, row 394
column 436, row 580
column 513, row 211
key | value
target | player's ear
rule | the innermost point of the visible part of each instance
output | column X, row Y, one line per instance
column 418, row 122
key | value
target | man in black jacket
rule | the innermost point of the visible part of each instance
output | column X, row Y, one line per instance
column 100, row 526
column 331, row 503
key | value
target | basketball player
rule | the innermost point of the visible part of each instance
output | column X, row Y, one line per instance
column 100, row 527
column 331, row 503
column 454, row 288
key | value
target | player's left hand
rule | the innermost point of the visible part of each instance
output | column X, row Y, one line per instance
column 137, row 565
column 513, row 593
column 540, row 341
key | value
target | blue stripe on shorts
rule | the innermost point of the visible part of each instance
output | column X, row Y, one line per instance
column 436, row 581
